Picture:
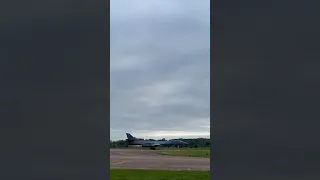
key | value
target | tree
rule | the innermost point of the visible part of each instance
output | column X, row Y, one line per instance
column 192, row 143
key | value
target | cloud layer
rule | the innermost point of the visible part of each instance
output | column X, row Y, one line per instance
column 160, row 68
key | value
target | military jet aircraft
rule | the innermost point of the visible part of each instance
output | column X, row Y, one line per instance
column 153, row 143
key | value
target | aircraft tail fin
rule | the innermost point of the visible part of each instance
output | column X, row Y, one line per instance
column 130, row 137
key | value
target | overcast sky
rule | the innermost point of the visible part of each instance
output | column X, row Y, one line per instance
column 160, row 68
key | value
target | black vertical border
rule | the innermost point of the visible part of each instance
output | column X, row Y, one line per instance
column 265, row 90
column 212, row 16
column 54, row 95
column 108, row 88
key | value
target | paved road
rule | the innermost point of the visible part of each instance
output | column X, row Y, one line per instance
column 149, row 159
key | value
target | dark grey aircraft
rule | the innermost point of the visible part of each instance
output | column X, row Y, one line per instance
column 153, row 144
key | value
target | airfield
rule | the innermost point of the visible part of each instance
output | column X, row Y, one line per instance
column 151, row 159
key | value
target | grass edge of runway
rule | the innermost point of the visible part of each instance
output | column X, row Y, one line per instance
column 162, row 148
column 137, row 174
column 188, row 153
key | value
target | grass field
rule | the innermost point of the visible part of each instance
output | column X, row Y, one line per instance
column 165, row 148
column 129, row 174
column 183, row 148
column 188, row 152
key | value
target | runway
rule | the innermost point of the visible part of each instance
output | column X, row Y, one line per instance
column 149, row 159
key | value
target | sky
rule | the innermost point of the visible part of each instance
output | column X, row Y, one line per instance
column 160, row 68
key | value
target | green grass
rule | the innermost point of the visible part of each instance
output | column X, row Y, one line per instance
column 189, row 153
column 165, row 148
column 183, row 148
column 131, row 174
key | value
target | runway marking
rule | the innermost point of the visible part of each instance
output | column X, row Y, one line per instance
column 119, row 162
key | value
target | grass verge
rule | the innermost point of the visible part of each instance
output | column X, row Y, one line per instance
column 183, row 148
column 188, row 153
column 165, row 148
column 132, row 174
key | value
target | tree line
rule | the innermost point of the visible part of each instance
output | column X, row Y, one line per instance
column 192, row 143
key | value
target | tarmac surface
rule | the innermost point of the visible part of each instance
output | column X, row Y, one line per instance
column 150, row 159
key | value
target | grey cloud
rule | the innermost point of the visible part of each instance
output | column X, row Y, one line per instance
column 160, row 66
